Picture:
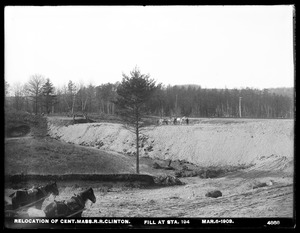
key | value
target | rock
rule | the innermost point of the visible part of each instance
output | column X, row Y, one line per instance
column 271, row 182
column 150, row 148
column 166, row 180
column 264, row 184
column 185, row 168
column 152, row 202
column 260, row 185
column 156, row 165
column 169, row 168
column 214, row 194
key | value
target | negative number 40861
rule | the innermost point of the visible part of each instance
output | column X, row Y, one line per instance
column 273, row 222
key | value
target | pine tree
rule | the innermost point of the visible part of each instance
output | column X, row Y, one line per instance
column 48, row 97
column 132, row 95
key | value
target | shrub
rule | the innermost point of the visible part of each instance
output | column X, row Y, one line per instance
column 37, row 123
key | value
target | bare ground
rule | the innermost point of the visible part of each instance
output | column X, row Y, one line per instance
column 243, row 192
column 239, row 199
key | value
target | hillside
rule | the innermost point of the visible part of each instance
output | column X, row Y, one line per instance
column 209, row 142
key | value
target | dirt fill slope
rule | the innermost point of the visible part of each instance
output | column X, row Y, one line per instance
column 262, row 142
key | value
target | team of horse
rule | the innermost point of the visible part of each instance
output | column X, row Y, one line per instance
column 173, row 121
column 34, row 198
column 70, row 207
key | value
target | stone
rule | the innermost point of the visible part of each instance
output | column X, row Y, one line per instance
column 214, row 194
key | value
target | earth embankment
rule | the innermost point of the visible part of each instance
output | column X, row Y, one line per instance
column 211, row 142
column 265, row 189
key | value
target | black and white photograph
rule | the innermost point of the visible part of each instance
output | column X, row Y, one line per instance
column 149, row 116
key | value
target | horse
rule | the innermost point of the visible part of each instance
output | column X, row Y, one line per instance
column 174, row 120
column 160, row 121
column 34, row 195
column 182, row 120
column 71, row 207
column 163, row 121
column 177, row 120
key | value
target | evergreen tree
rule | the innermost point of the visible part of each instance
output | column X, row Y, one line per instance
column 48, row 97
column 132, row 95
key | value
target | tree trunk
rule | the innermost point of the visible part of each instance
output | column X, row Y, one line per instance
column 73, row 104
column 137, row 147
column 47, row 104
column 240, row 107
column 107, row 107
column 113, row 108
column 137, row 139
column 36, row 106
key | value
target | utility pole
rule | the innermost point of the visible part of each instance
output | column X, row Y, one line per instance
column 176, row 106
column 240, row 106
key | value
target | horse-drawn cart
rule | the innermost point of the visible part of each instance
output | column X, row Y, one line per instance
column 22, row 210
column 23, row 199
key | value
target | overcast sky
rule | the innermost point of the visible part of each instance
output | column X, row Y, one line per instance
column 212, row 46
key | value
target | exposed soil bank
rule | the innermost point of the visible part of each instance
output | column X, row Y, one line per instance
column 265, row 189
column 212, row 142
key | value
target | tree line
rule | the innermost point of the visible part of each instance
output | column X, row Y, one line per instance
column 38, row 95
column 137, row 96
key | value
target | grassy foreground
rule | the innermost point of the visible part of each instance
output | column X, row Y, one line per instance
column 40, row 154
column 49, row 156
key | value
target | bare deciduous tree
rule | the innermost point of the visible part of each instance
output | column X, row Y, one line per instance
column 35, row 88
column 19, row 95
column 72, row 89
